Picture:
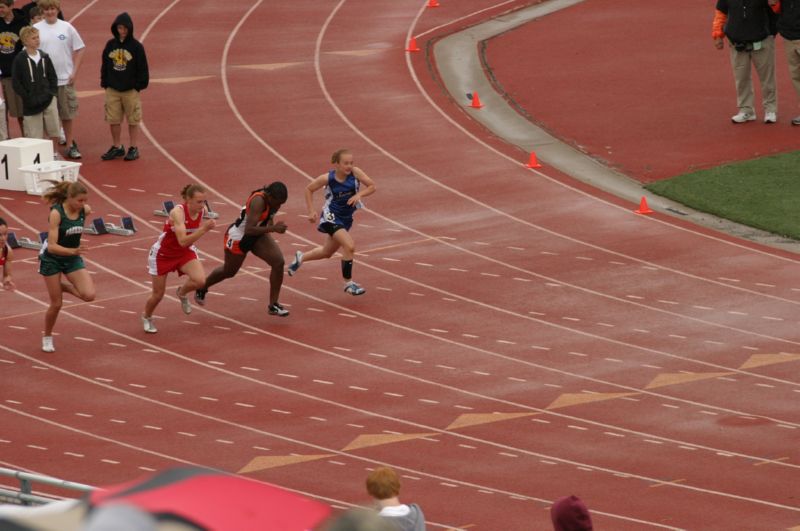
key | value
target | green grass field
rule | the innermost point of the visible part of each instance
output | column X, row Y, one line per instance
column 762, row 193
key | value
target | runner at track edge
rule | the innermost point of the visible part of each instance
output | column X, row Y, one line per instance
column 342, row 198
column 61, row 251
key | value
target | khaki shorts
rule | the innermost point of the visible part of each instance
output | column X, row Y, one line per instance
column 67, row 102
column 126, row 104
column 13, row 100
column 36, row 125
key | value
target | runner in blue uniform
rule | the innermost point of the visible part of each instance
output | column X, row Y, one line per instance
column 345, row 186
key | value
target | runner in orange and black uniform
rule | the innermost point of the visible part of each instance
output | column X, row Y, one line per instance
column 250, row 232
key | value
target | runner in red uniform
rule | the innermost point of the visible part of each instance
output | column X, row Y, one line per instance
column 6, row 255
column 175, row 251
column 250, row 232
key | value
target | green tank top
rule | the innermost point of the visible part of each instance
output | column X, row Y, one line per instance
column 69, row 230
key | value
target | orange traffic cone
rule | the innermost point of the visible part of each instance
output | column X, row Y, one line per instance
column 476, row 101
column 412, row 45
column 643, row 208
column 433, row 3
column 532, row 162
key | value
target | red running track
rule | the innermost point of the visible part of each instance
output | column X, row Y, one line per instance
column 521, row 339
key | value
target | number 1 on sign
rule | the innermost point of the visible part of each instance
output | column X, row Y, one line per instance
column 4, row 162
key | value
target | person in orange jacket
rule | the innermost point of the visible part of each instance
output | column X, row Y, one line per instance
column 750, row 29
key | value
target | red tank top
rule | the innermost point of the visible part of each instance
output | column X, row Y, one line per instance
column 167, row 241
column 3, row 255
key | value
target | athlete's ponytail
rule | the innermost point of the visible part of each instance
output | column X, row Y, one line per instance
column 60, row 191
column 337, row 155
column 190, row 189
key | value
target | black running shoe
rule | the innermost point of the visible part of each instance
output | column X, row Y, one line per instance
column 113, row 153
column 200, row 297
column 133, row 153
column 276, row 309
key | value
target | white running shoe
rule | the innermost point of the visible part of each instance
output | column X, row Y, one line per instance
column 149, row 326
column 770, row 118
column 186, row 306
column 47, row 344
column 743, row 117
column 62, row 139
column 354, row 289
column 295, row 265
column 276, row 309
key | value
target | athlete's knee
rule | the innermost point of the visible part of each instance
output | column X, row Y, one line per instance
column 277, row 262
column 88, row 295
column 56, row 304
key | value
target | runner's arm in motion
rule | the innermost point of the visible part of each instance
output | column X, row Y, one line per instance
column 7, row 282
column 251, row 227
column 179, row 226
column 369, row 186
column 312, row 187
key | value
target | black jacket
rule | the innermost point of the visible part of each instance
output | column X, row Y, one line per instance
column 35, row 83
column 124, row 63
column 10, row 43
column 789, row 20
column 748, row 20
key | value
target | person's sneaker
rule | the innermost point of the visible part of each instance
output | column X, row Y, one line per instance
column 62, row 139
column 148, row 325
column 796, row 120
column 72, row 152
column 276, row 309
column 354, row 289
column 113, row 153
column 186, row 306
column 133, row 153
column 743, row 117
column 200, row 297
column 47, row 344
column 295, row 265
column 770, row 118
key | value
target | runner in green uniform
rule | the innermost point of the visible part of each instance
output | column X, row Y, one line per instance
column 61, row 253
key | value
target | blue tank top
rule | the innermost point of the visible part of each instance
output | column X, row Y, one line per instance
column 337, row 194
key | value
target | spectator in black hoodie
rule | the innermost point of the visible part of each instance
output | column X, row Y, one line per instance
column 35, row 80
column 123, row 74
column 11, row 22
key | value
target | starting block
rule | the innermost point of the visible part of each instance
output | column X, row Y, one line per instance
column 99, row 226
column 24, row 242
column 11, row 240
column 210, row 213
column 167, row 206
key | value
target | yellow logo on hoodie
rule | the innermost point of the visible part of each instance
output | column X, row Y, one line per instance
column 120, row 57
